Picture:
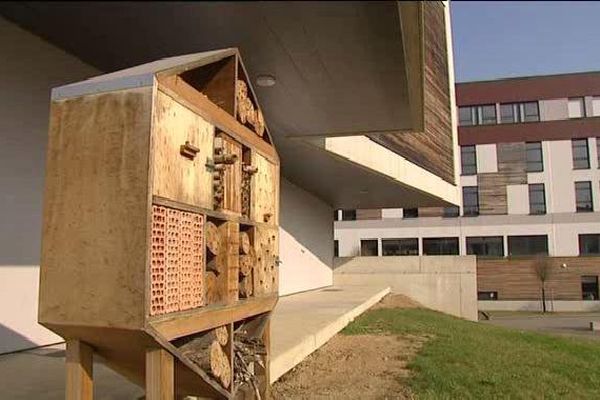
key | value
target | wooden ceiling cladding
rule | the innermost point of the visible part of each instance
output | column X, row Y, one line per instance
column 431, row 149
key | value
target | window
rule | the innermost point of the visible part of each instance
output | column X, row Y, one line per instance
column 488, row 114
column 598, row 150
column 368, row 247
column 410, row 212
column 576, row 107
column 451, row 212
column 447, row 246
column 487, row 295
column 537, row 199
column 535, row 156
column 485, row 246
column 348, row 215
column 527, row 245
column 400, row 247
column 581, row 155
column 509, row 113
column 589, row 244
column 468, row 160
column 530, row 111
column 470, row 201
column 589, row 287
column 596, row 106
column 336, row 248
column 583, row 197
column 467, row 116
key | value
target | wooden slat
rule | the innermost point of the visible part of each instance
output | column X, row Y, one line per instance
column 264, row 191
column 371, row 213
column 187, row 323
column 79, row 360
column 232, row 177
column 218, row 117
column 160, row 375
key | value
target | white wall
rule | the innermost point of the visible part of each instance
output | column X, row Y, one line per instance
column 30, row 67
column 487, row 158
column 305, row 241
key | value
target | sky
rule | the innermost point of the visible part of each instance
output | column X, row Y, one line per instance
column 505, row 39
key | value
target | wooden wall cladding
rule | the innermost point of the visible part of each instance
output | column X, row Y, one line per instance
column 371, row 213
column 266, row 247
column 512, row 170
column 175, row 176
column 264, row 190
column 433, row 148
column 431, row 211
column 176, row 261
column 514, row 279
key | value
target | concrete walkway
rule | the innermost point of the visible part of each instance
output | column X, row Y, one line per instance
column 301, row 324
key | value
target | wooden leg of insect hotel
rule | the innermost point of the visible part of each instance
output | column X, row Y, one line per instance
column 160, row 375
column 79, row 371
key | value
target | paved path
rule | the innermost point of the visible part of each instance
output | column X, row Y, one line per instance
column 301, row 324
column 576, row 325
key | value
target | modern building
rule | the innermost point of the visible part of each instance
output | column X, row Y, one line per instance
column 358, row 96
column 530, row 182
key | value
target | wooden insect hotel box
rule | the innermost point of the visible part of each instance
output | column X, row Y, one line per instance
column 160, row 237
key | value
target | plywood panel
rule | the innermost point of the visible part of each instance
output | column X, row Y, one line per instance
column 175, row 176
column 232, row 176
column 264, row 191
column 95, row 210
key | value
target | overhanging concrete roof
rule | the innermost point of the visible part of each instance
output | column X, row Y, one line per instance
column 340, row 68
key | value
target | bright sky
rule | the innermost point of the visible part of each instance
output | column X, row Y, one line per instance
column 504, row 39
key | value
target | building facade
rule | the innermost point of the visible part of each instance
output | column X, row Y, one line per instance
column 530, row 182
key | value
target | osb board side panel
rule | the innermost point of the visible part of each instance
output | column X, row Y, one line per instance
column 95, row 210
column 432, row 149
column 232, row 199
column 514, row 279
column 174, row 176
column 264, row 191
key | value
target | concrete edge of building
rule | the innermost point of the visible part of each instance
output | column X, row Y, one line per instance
column 442, row 283
column 311, row 342
column 536, row 305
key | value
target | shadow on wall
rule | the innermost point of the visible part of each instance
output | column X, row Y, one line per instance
column 11, row 340
column 309, row 220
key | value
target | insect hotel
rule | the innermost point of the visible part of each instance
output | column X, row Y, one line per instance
column 160, row 237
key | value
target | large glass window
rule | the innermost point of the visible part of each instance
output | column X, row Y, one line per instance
column 589, row 287
column 583, row 197
column 451, row 212
column 348, row 215
column 485, row 246
column 576, row 107
column 336, row 248
column 589, row 244
column 535, row 157
column 531, row 111
column 598, row 150
column 537, row 198
column 487, row 295
column 581, row 154
column 400, row 247
column 527, row 245
column 509, row 113
column 470, row 201
column 446, row 246
column 488, row 114
column 468, row 160
column 410, row 212
column 368, row 247
column 467, row 116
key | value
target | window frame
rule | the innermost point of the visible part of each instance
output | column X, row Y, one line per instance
column 455, row 213
column 376, row 247
column 579, row 143
column 472, row 210
column 483, row 120
column 412, row 216
column 515, row 114
column 469, row 245
column 533, row 188
column 580, row 241
column 472, row 113
column 520, row 239
column 427, row 241
column 400, row 246
column 587, row 186
column 531, row 147
column 471, row 168
column 581, row 102
column 582, row 283
column 336, row 248
column 525, row 117
column 351, row 212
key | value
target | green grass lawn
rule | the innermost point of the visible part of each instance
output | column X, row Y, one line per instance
column 467, row 360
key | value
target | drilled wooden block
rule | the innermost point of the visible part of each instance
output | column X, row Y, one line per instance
column 157, row 263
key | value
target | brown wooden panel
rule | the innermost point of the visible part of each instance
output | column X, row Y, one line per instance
column 431, row 211
column 515, row 279
column 431, row 149
column 232, row 176
column 368, row 213
column 264, row 190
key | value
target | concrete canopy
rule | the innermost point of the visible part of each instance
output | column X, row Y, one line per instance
column 340, row 69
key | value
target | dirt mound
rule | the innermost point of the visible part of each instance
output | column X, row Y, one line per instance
column 352, row 367
column 396, row 301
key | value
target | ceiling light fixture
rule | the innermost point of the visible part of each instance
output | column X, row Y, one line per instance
column 265, row 80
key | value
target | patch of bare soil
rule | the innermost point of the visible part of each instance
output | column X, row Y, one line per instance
column 396, row 301
column 353, row 367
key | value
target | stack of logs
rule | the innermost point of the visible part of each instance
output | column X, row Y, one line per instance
column 249, row 354
column 209, row 353
column 220, row 161
column 247, row 261
column 245, row 109
column 213, row 243
column 247, row 172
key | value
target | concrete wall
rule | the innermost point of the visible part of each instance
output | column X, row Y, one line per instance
column 305, row 241
column 30, row 67
column 535, row 305
column 443, row 283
